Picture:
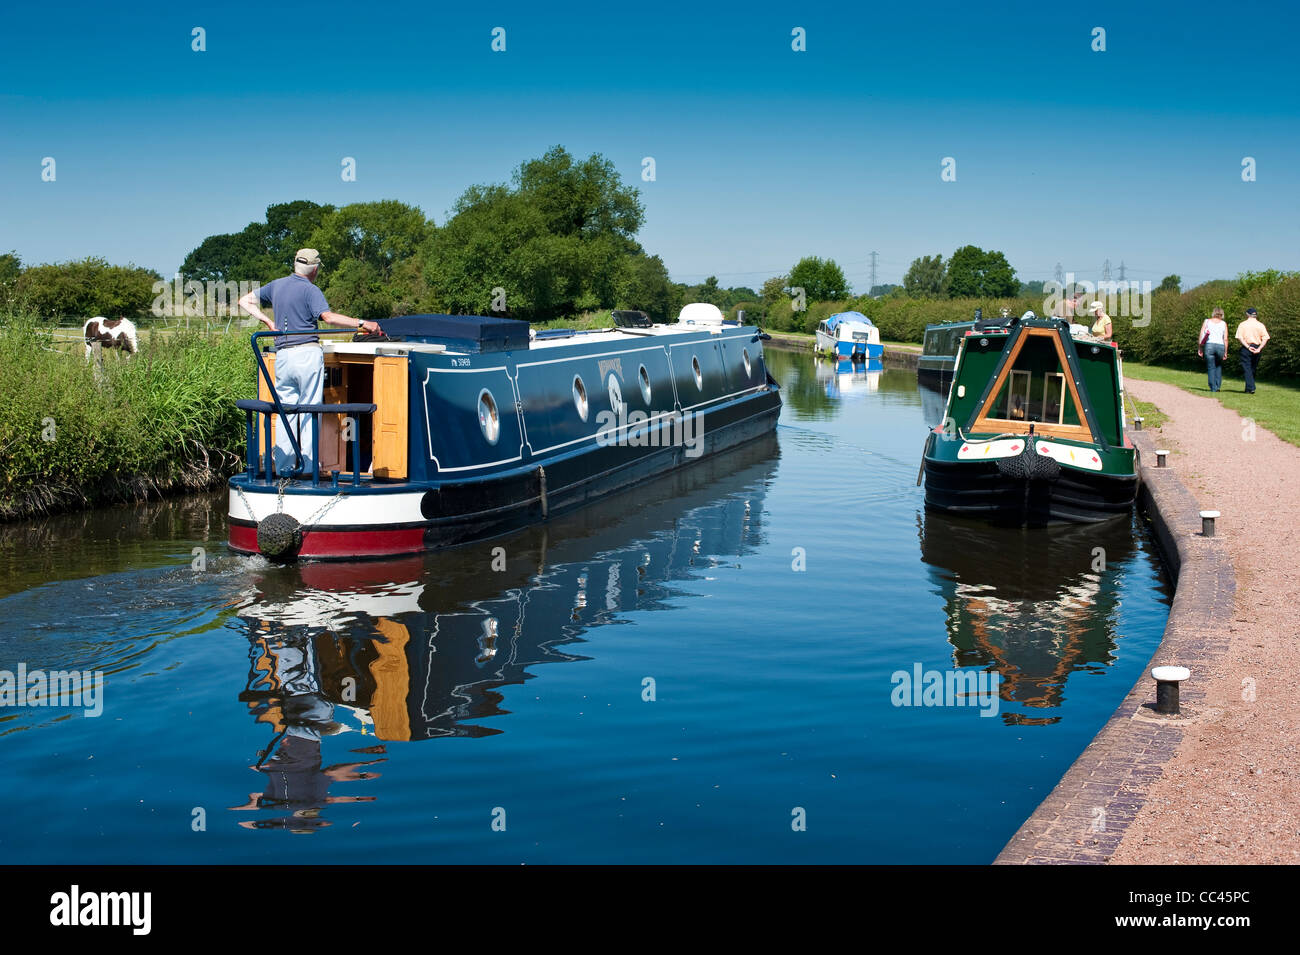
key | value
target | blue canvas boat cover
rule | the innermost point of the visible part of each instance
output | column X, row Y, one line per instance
column 467, row 332
column 834, row 320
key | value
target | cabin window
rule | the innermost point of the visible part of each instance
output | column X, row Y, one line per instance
column 861, row 337
column 1054, row 398
column 1013, row 401
column 1035, row 388
column 580, row 397
column 744, row 355
column 488, row 419
column 644, row 377
column 699, row 376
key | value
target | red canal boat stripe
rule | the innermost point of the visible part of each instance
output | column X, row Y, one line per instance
column 367, row 543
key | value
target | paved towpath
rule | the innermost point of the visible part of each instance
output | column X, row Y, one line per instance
column 1231, row 791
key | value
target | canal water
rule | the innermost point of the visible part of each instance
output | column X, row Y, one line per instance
column 713, row 668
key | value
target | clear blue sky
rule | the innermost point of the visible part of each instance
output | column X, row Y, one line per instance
column 763, row 154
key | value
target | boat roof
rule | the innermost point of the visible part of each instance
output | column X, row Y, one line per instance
column 556, row 338
column 848, row 318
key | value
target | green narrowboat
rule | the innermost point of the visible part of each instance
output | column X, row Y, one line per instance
column 1033, row 431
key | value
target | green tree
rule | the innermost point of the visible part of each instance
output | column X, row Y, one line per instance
column 381, row 234
column 821, row 279
column 289, row 227
column 927, row 277
column 1170, row 283
column 233, row 257
column 85, row 288
column 585, row 198
column 646, row 287
column 558, row 240
column 11, row 266
column 774, row 288
column 738, row 294
column 261, row 251
column 707, row 291
column 974, row 273
column 356, row 288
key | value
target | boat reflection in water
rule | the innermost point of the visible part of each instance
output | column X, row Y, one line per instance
column 421, row 647
column 843, row 378
column 1035, row 605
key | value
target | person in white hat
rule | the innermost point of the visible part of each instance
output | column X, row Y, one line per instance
column 1101, row 326
column 299, row 362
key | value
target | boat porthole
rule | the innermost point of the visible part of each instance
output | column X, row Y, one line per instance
column 615, row 394
column 984, row 343
column 744, row 354
column 644, row 376
column 488, row 419
column 699, row 378
column 580, row 397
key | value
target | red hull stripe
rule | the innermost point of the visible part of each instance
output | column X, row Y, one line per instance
column 370, row 543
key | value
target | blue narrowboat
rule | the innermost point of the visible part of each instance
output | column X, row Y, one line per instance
column 449, row 428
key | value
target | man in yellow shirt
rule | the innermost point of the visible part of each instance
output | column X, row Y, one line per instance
column 1253, row 337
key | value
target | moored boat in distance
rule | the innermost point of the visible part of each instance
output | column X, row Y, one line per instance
column 457, row 428
column 939, row 353
column 849, row 335
column 1033, row 431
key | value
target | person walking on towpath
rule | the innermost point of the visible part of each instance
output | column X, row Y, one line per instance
column 299, row 362
column 1253, row 337
column 1214, row 347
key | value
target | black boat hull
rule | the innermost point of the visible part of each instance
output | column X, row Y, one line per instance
column 980, row 489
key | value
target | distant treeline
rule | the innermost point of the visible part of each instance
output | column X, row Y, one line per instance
column 1170, row 339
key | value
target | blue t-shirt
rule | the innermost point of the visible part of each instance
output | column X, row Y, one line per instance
column 298, row 303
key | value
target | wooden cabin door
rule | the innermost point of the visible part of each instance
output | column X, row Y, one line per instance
column 390, row 419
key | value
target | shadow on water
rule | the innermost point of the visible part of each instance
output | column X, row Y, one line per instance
column 1036, row 605
column 421, row 648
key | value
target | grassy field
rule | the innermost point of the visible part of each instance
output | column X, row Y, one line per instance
column 1275, row 405
column 68, row 338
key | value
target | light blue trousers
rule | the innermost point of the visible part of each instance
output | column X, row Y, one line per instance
column 300, row 380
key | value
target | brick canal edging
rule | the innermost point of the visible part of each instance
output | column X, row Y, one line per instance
column 902, row 357
column 1084, row 818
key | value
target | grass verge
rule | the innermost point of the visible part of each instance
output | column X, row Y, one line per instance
column 1275, row 405
column 74, row 434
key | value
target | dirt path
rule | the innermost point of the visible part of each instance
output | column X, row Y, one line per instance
column 1231, row 792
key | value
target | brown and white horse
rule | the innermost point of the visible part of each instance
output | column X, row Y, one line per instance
column 110, row 333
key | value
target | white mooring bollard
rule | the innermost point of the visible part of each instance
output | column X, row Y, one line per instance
column 1167, row 679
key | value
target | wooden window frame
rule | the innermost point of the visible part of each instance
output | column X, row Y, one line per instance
column 983, row 422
